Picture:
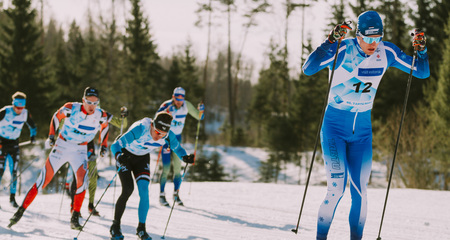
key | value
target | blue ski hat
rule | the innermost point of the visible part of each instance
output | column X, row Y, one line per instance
column 179, row 92
column 19, row 99
column 370, row 23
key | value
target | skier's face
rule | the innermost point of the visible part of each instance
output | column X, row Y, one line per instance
column 369, row 48
column 157, row 134
column 90, row 103
column 18, row 110
column 178, row 100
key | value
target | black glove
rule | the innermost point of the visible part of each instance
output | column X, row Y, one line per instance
column 103, row 151
column 32, row 140
column 419, row 40
column 52, row 140
column 339, row 31
column 123, row 112
column 189, row 158
column 120, row 158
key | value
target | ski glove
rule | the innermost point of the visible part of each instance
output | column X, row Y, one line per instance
column 123, row 112
column 32, row 140
column 189, row 158
column 103, row 151
column 419, row 40
column 120, row 158
column 201, row 108
column 51, row 140
column 339, row 31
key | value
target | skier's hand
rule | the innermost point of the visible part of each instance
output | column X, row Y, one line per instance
column 123, row 112
column 201, row 108
column 120, row 158
column 339, row 31
column 51, row 140
column 103, row 151
column 188, row 158
column 32, row 140
column 419, row 40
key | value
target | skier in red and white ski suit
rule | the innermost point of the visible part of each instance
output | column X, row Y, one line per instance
column 81, row 124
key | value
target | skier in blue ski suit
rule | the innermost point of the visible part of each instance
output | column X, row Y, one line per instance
column 12, row 119
column 179, row 108
column 132, row 153
column 346, row 134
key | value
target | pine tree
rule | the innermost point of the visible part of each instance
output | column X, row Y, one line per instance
column 143, row 70
column 21, row 57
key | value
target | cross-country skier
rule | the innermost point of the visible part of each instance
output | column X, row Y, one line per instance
column 92, row 165
column 132, row 153
column 346, row 134
column 12, row 119
column 82, row 122
column 178, row 107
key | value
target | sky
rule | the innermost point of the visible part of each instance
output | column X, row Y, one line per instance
column 172, row 25
column 230, row 210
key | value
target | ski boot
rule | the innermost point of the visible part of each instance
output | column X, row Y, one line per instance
column 116, row 234
column 17, row 216
column 74, row 221
column 162, row 200
column 142, row 233
column 177, row 199
column 12, row 200
column 92, row 210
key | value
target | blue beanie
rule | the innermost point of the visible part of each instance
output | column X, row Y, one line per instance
column 369, row 23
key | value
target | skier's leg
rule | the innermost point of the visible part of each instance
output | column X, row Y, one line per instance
column 81, row 175
column 165, row 155
column 93, row 177
column 176, row 163
column 359, row 158
column 141, row 172
column 334, row 155
column 127, row 189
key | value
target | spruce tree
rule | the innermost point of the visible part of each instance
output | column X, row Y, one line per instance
column 143, row 71
column 21, row 58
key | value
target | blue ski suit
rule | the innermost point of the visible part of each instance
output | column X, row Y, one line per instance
column 346, row 134
column 136, row 145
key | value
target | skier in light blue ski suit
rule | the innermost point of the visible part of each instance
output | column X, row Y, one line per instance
column 346, row 134
column 12, row 119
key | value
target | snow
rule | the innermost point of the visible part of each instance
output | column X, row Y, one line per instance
column 232, row 210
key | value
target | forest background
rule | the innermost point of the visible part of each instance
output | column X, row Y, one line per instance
column 275, row 107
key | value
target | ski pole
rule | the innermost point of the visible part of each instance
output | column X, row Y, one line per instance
column 156, row 167
column 17, row 177
column 195, row 150
column 95, row 207
column 114, row 194
column 24, row 143
column 62, row 195
column 174, row 201
column 325, row 102
column 408, row 86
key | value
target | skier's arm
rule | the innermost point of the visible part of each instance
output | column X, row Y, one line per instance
column 104, row 130
column 126, row 139
column 2, row 114
column 175, row 145
column 321, row 58
column 31, row 125
column 59, row 115
column 117, row 122
column 193, row 111
column 398, row 59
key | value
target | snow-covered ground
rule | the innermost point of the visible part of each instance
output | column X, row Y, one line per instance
column 233, row 210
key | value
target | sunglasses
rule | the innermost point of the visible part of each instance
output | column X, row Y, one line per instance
column 179, row 99
column 370, row 40
column 159, row 133
column 90, row 102
column 19, row 108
